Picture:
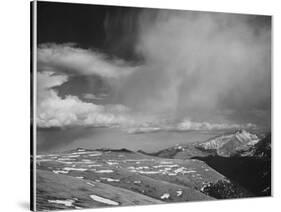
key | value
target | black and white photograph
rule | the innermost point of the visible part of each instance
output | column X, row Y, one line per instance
column 141, row 106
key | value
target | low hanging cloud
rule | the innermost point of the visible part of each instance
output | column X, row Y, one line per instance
column 189, row 125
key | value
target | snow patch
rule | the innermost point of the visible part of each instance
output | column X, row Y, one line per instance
column 165, row 196
column 91, row 184
column 104, row 171
column 65, row 159
column 74, row 169
column 172, row 174
column 103, row 200
column 112, row 163
column 73, row 156
column 179, row 193
column 166, row 165
column 149, row 172
column 95, row 154
column 80, row 153
column 183, row 170
column 110, row 179
column 60, row 172
column 67, row 202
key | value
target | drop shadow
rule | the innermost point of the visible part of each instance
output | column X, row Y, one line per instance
column 24, row 205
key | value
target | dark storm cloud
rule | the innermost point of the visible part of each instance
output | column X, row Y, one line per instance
column 121, row 32
column 107, row 28
column 81, row 85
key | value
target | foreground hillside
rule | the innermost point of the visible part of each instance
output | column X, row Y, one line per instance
column 84, row 178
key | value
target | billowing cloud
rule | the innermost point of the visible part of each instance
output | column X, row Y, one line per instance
column 67, row 58
column 55, row 111
column 56, row 63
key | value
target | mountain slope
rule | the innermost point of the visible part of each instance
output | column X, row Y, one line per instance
column 240, row 143
column 56, row 191
column 242, row 157
column 157, row 179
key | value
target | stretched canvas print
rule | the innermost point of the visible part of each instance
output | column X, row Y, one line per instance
column 138, row 106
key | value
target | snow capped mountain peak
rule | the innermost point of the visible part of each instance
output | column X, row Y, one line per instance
column 246, row 137
column 227, row 145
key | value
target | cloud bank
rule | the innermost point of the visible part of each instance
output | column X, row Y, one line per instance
column 211, row 68
column 55, row 111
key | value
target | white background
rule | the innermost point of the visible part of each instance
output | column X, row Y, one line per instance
column 14, row 102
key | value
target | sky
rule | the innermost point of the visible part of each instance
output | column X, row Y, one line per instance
column 148, row 70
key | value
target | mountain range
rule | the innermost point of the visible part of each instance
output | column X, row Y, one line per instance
column 234, row 165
